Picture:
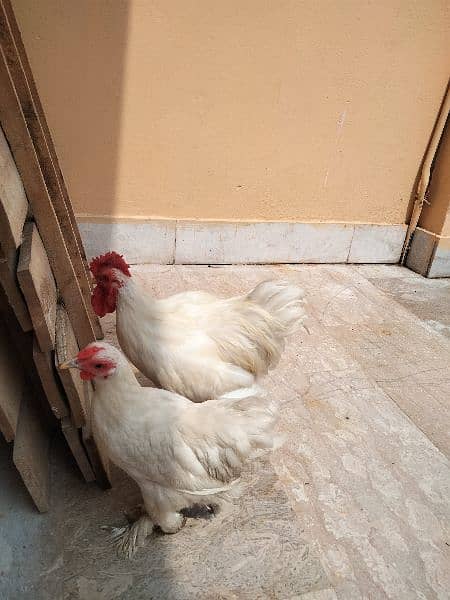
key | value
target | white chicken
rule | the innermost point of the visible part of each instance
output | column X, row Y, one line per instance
column 179, row 453
column 193, row 343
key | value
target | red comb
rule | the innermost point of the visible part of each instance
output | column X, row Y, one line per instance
column 88, row 352
column 110, row 259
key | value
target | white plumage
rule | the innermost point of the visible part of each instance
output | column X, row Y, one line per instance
column 201, row 346
column 180, row 453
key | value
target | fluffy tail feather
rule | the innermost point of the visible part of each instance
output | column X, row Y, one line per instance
column 283, row 300
column 257, row 325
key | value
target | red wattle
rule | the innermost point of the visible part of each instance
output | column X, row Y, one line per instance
column 104, row 300
column 86, row 376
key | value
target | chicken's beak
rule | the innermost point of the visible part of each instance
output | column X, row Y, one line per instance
column 69, row 364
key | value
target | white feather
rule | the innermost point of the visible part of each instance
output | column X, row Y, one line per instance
column 201, row 346
column 174, row 449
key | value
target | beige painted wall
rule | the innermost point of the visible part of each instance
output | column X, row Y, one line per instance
column 243, row 109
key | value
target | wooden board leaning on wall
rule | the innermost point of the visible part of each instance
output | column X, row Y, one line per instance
column 28, row 98
column 23, row 129
column 41, row 249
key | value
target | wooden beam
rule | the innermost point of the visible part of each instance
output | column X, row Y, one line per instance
column 21, row 343
column 30, row 454
column 66, row 347
column 11, row 386
column 20, row 48
column 72, row 435
column 98, row 462
column 11, row 289
column 15, row 127
column 13, row 200
column 28, row 98
column 98, row 458
column 38, row 286
column 45, row 367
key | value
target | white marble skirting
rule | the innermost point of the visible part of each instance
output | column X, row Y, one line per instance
column 205, row 242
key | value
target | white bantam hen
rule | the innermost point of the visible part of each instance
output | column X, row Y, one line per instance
column 179, row 453
column 193, row 343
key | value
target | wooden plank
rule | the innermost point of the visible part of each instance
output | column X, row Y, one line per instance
column 11, row 385
column 30, row 454
column 97, row 457
column 72, row 435
column 11, row 289
column 28, row 97
column 15, row 127
column 22, row 345
column 13, row 200
column 38, row 286
column 45, row 366
column 66, row 347
column 99, row 463
column 20, row 48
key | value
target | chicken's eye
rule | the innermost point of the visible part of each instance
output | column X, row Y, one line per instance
column 98, row 366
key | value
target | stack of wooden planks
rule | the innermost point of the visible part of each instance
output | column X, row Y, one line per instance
column 45, row 310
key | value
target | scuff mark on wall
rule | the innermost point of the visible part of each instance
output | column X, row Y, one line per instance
column 339, row 132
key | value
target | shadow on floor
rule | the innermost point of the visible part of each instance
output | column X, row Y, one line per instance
column 253, row 550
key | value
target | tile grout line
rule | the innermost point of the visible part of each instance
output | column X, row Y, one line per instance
column 350, row 245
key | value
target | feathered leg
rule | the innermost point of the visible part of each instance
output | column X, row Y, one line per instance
column 134, row 513
column 171, row 522
column 163, row 506
column 129, row 539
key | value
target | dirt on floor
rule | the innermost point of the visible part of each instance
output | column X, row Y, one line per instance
column 355, row 504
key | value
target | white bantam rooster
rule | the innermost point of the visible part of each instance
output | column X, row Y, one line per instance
column 193, row 343
column 179, row 453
